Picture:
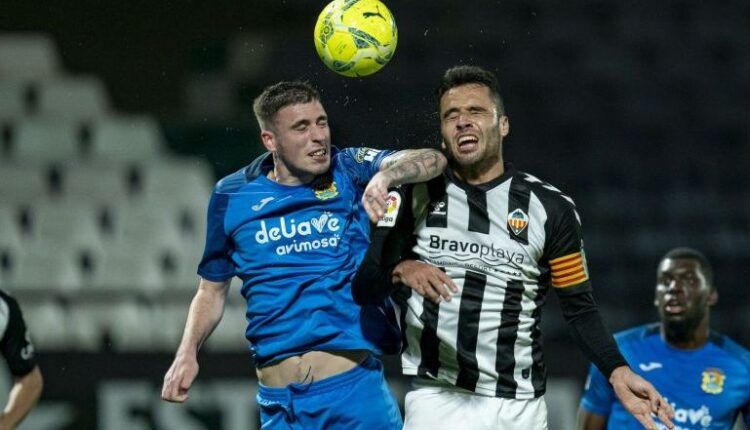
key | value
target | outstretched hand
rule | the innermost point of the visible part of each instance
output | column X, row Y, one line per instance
column 640, row 398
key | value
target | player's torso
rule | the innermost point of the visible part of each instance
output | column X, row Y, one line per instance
column 705, row 387
column 285, row 228
column 491, row 248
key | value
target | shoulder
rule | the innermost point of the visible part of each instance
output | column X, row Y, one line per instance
column 638, row 334
column 549, row 195
column 245, row 175
column 732, row 348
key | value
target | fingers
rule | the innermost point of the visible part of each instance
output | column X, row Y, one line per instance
column 447, row 281
column 663, row 409
column 177, row 383
column 374, row 206
column 646, row 421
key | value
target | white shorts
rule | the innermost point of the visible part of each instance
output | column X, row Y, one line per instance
column 435, row 408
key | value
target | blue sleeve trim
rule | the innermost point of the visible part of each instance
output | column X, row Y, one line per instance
column 362, row 163
column 216, row 264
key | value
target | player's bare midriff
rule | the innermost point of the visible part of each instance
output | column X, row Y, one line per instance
column 309, row 367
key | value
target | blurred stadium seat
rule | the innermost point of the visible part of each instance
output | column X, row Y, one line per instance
column 28, row 56
column 45, row 141
column 76, row 99
column 126, row 139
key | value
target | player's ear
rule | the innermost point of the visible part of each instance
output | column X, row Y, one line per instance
column 268, row 140
column 713, row 297
column 504, row 125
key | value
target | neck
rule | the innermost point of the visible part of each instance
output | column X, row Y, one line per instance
column 480, row 173
column 283, row 176
column 686, row 334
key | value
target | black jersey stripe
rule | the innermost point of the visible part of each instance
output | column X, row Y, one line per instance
column 469, row 312
column 538, row 369
column 429, row 344
column 437, row 209
column 479, row 220
column 518, row 198
column 505, row 361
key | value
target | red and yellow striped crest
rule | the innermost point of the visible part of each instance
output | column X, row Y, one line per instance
column 569, row 270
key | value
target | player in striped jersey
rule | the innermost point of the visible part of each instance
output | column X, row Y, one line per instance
column 469, row 257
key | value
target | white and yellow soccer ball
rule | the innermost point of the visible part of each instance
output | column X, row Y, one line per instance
column 355, row 37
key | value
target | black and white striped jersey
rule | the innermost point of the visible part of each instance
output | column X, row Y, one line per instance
column 15, row 345
column 504, row 244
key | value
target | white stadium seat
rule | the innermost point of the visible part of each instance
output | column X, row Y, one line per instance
column 21, row 184
column 12, row 99
column 66, row 225
column 126, row 138
column 95, row 182
column 134, row 270
column 44, row 268
column 46, row 140
column 28, row 56
column 48, row 325
column 75, row 99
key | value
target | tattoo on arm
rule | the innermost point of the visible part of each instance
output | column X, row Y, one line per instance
column 416, row 165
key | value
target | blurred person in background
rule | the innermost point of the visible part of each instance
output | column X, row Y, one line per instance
column 293, row 225
column 468, row 258
column 19, row 354
column 703, row 374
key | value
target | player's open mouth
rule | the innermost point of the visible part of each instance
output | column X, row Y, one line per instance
column 319, row 154
column 674, row 307
column 467, row 142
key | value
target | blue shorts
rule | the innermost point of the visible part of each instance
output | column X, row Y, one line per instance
column 356, row 399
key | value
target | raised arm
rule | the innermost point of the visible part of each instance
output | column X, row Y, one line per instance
column 23, row 396
column 205, row 313
column 403, row 167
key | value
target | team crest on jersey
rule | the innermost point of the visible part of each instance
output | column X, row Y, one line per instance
column 712, row 381
column 391, row 210
column 366, row 154
column 325, row 190
column 517, row 221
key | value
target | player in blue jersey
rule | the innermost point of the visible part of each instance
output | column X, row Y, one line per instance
column 293, row 225
column 703, row 374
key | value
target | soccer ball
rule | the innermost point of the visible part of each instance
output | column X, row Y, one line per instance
column 355, row 37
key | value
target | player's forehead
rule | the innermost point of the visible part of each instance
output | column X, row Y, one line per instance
column 293, row 113
column 466, row 95
column 679, row 266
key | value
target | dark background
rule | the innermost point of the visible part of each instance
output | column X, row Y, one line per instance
column 639, row 110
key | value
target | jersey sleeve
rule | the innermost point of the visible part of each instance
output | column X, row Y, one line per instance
column 363, row 163
column 16, row 345
column 391, row 240
column 566, row 258
column 216, row 264
column 598, row 396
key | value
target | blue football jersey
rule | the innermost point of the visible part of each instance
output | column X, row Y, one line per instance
column 296, row 250
column 707, row 387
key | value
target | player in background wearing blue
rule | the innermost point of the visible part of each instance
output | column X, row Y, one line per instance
column 703, row 374
column 293, row 225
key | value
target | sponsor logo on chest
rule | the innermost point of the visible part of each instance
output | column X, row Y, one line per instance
column 297, row 232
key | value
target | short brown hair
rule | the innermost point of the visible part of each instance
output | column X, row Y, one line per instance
column 280, row 95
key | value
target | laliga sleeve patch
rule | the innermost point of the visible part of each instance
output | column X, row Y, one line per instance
column 393, row 204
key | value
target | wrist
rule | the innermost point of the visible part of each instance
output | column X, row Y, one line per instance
column 618, row 373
